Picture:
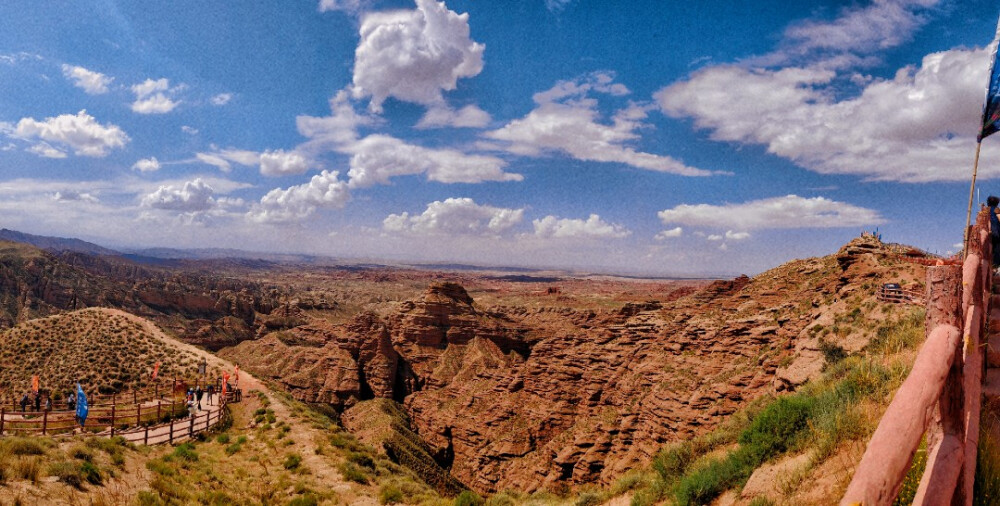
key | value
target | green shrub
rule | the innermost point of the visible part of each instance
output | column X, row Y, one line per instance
column 352, row 472
column 222, row 439
column 66, row 472
column 832, row 353
column 389, row 493
column 469, row 498
column 147, row 498
column 186, row 452
column 233, row 448
column 91, row 473
column 776, row 428
column 25, row 446
column 362, row 460
column 304, row 500
column 160, row 467
column 292, row 461
column 672, row 462
column 589, row 499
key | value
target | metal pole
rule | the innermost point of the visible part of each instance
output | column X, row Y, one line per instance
column 972, row 190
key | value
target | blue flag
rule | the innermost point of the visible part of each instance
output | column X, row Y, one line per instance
column 991, row 109
column 81, row 405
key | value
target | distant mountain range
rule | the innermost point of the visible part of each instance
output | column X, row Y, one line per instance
column 56, row 244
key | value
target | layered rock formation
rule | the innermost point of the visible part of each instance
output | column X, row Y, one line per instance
column 509, row 397
column 201, row 308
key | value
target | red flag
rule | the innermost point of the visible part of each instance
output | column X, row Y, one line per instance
column 225, row 383
column 34, row 383
column 156, row 370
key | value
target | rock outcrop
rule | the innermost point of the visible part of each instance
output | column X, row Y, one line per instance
column 511, row 397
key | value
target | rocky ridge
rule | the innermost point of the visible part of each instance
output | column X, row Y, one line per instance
column 522, row 398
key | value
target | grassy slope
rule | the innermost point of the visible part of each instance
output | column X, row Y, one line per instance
column 102, row 350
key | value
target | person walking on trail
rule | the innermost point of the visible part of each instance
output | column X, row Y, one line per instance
column 992, row 202
column 24, row 402
column 48, row 402
column 71, row 402
column 211, row 392
column 38, row 401
column 198, row 393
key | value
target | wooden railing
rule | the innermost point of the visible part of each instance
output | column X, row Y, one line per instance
column 900, row 296
column 137, row 416
column 941, row 396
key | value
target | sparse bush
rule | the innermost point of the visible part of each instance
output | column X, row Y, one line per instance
column 469, row 498
column 589, row 499
column 292, row 461
column 389, row 493
column 66, row 472
column 186, row 452
column 832, row 353
column 222, row 439
column 352, row 472
column 362, row 460
column 91, row 473
column 304, row 500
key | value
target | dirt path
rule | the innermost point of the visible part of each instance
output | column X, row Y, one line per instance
column 305, row 437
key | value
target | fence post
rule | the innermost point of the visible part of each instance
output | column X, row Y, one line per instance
column 3, row 414
column 45, row 421
column 138, row 415
column 158, row 401
column 191, row 427
column 145, row 437
column 170, row 439
column 114, row 402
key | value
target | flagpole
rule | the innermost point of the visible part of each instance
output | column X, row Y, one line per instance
column 972, row 189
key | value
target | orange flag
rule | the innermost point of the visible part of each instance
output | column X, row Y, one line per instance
column 34, row 383
column 225, row 381
column 156, row 370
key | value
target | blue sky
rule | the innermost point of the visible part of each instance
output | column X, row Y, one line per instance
column 667, row 138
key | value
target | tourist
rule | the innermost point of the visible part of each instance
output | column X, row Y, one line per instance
column 38, row 401
column 198, row 393
column 992, row 202
column 71, row 402
column 48, row 402
column 24, row 402
column 211, row 392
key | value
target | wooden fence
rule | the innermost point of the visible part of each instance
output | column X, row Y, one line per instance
column 900, row 296
column 941, row 396
column 135, row 415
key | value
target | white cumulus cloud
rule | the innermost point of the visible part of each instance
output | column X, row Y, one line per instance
column 377, row 158
column 324, row 190
column 80, row 132
column 91, row 82
column 455, row 216
column 281, row 163
column 591, row 228
column 193, row 196
column 151, row 97
column 671, row 233
column 790, row 211
column 150, row 164
column 335, row 131
column 567, row 121
column 414, row 55
column 808, row 103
